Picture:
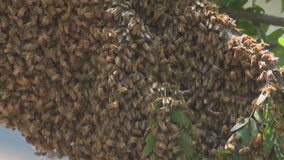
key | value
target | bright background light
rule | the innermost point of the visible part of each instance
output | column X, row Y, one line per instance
column 13, row 146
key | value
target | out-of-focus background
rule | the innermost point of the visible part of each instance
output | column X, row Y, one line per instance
column 271, row 8
column 14, row 147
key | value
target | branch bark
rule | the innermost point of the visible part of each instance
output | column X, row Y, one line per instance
column 254, row 17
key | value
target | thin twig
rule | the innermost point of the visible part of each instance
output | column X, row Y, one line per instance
column 254, row 17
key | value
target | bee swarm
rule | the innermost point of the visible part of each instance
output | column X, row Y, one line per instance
column 76, row 76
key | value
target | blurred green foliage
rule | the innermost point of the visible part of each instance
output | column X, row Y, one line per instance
column 256, row 29
column 266, row 120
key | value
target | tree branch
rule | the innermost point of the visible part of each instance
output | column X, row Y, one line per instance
column 254, row 17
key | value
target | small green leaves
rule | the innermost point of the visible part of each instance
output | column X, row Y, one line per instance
column 150, row 143
column 178, row 117
column 240, row 125
column 185, row 142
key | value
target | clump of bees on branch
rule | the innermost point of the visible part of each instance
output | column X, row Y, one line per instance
column 76, row 76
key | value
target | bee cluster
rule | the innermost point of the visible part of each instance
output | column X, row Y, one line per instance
column 76, row 76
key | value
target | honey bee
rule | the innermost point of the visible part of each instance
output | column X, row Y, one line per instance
column 249, row 42
column 215, row 69
column 132, row 140
column 110, row 142
column 248, row 74
column 202, row 26
column 176, row 149
column 113, row 105
column 30, row 46
column 233, row 75
column 136, row 132
column 23, row 81
column 257, row 141
column 268, row 89
column 45, row 20
column 158, row 152
column 161, row 145
column 89, row 15
column 244, row 150
column 45, row 132
column 228, row 58
column 17, row 70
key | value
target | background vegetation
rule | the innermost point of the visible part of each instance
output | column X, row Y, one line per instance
column 253, row 20
column 262, row 130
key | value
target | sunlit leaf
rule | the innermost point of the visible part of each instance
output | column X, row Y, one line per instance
column 240, row 125
column 185, row 142
column 281, row 41
column 178, row 117
column 150, row 143
column 275, row 35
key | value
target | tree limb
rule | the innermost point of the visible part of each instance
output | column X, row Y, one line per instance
column 254, row 17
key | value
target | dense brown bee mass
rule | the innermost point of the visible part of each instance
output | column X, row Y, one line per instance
column 76, row 76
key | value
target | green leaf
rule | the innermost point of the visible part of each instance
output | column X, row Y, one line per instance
column 267, row 1
column 225, row 151
column 253, row 128
column 150, row 144
column 264, row 27
column 268, row 138
column 258, row 115
column 240, row 125
column 237, row 4
column 185, row 142
column 178, row 117
column 157, row 105
column 281, row 41
column 152, row 122
column 248, row 132
column 247, row 26
column 275, row 35
column 256, row 9
column 236, row 156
